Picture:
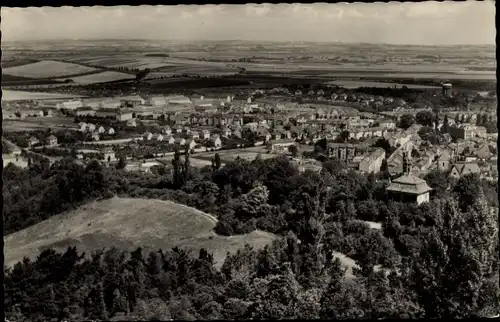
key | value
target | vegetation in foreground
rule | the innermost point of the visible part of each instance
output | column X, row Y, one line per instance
column 295, row 277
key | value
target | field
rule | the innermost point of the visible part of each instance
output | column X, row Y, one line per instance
column 356, row 84
column 9, row 95
column 128, row 223
column 46, row 69
column 103, row 77
column 38, row 123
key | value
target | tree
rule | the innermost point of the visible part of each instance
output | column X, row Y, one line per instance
column 121, row 163
column 425, row 118
column 384, row 169
column 467, row 190
column 293, row 150
column 446, row 125
column 216, row 162
column 406, row 120
column 178, row 176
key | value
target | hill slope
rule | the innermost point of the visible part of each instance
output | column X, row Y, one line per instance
column 128, row 223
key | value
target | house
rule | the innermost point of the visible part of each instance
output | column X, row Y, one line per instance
column 388, row 124
column 82, row 126
column 177, row 100
column 167, row 130
column 170, row 139
column 409, row 188
column 195, row 135
column 444, row 160
column 280, row 146
column 32, row 141
column 462, row 168
column 191, row 144
column 186, row 130
column 158, row 137
column 148, row 136
column 106, row 114
column 101, row 130
column 241, row 99
column 51, row 140
column 157, row 101
column 95, row 137
column 178, row 129
column 373, row 162
column 111, row 131
column 205, row 134
column 236, row 133
column 109, row 154
column 123, row 116
column 216, row 141
column 131, row 123
column 226, row 132
column 90, row 127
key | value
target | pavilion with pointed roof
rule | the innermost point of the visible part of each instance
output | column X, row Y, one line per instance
column 409, row 188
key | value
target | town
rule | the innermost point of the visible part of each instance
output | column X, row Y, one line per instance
column 344, row 168
column 145, row 132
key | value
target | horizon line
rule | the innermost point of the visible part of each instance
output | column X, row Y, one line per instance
column 244, row 40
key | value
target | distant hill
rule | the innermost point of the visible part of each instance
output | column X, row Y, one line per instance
column 128, row 223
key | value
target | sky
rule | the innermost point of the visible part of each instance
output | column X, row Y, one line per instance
column 423, row 23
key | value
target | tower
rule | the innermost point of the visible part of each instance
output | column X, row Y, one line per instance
column 406, row 164
column 446, row 89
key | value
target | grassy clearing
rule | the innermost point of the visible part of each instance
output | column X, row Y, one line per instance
column 356, row 84
column 128, row 223
column 47, row 68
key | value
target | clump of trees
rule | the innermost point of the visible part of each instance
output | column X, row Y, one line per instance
column 407, row 270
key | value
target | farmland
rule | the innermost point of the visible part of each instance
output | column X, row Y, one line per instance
column 356, row 84
column 47, row 69
column 9, row 95
column 103, row 77
column 126, row 224
column 38, row 123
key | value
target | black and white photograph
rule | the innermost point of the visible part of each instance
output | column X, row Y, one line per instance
column 263, row 161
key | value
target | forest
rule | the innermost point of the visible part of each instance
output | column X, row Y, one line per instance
column 437, row 260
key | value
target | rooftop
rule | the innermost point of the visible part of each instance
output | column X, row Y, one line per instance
column 409, row 183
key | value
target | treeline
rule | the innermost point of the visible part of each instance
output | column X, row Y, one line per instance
column 297, row 277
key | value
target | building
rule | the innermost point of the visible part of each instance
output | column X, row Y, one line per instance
column 124, row 116
column 446, row 89
column 216, row 141
column 373, row 162
column 109, row 155
column 344, row 151
column 106, row 114
column 101, row 130
column 409, row 188
column 111, row 131
column 131, row 100
column 170, row 139
column 157, row 101
column 148, row 136
column 280, row 146
column 69, row 105
column 110, row 104
column 463, row 168
column 177, row 100
column 32, row 141
column 51, row 140
column 131, row 123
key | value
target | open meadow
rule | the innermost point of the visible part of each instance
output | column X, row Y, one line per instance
column 128, row 223
column 38, row 123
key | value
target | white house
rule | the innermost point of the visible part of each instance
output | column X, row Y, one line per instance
column 111, row 131
column 148, row 136
column 82, row 126
column 170, row 139
column 90, row 127
column 216, row 141
column 167, row 130
column 206, row 134
column 131, row 123
column 101, row 130
column 191, row 144
column 158, row 137
column 95, row 136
